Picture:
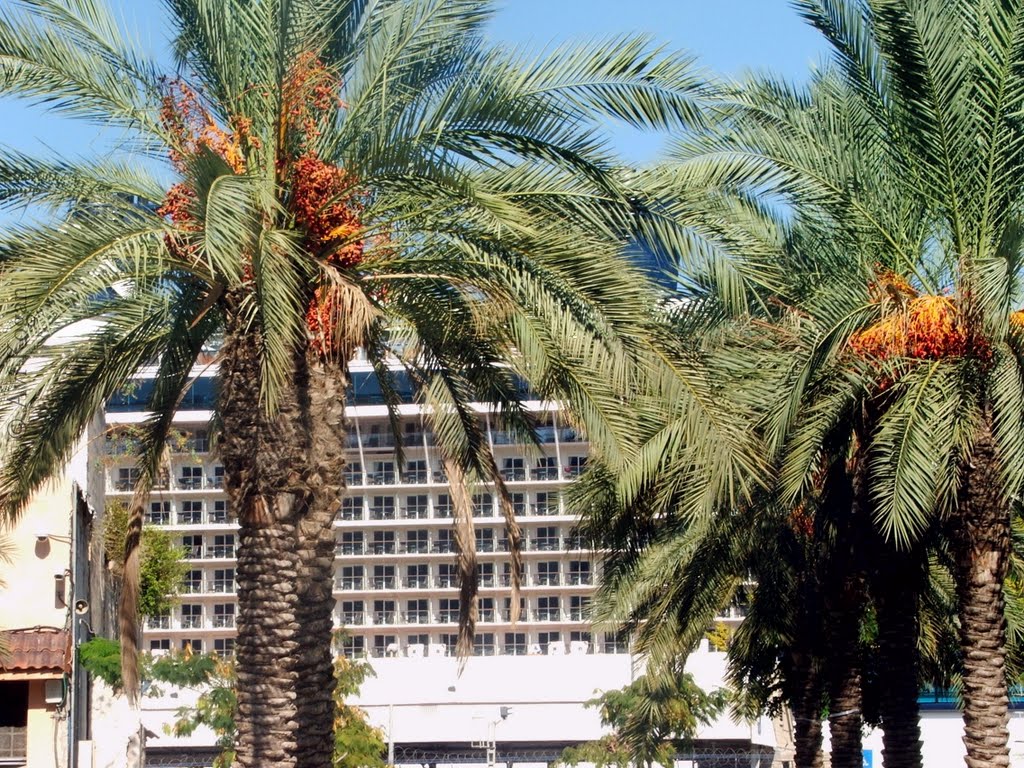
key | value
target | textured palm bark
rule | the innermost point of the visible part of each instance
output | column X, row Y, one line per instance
column 807, row 715
column 897, row 585
column 284, row 479
column 845, row 598
column 844, row 685
column 981, row 545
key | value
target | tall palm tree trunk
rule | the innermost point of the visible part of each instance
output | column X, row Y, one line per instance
column 844, row 605
column 897, row 584
column 844, row 672
column 284, row 478
column 981, row 546
column 807, row 731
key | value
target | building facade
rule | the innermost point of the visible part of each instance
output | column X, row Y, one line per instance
column 396, row 583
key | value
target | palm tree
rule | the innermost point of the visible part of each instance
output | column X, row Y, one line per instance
column 316, row 177
column 925, row 197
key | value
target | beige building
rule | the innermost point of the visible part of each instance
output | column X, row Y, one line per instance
column 36, row 606
column 44, row 615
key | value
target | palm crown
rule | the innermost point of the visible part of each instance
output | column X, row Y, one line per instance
column 316, row 177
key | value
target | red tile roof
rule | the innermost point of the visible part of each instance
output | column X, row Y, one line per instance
column 42, row 649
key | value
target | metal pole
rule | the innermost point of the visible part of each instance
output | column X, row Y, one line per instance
column 391, row 734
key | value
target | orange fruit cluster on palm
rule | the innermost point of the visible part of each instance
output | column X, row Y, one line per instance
column 322, row 197
column 913, row 325
column 925, row 328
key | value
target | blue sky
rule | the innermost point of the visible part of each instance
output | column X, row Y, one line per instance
column 729, row 36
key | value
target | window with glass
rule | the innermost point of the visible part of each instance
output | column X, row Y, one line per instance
column 580, row 637
column 483, row 505
column 384, row 577
column 545, row 503
column 383, row 543
column 447, row 575
column 449, row 640
column 485, row 539
column 416, row 471
column 515, row 643
column 615, row 642
column 417, row 611
column 448, row 610
column 353, row 647
column 547, row 539
column 353, row 473
column 193, row 545
column 579, row 572
column 417, row 576
column 506, row 575
column 485, row 608
column 161, row 644
column 193, row 582
column 223, row 580
column 127, row 477
column 417, row 507
column 223, row 546
column 351, row 543
column 220, row 512
column 547, row 639
column 483, row 644
column 519, row 504
column 191, row 478
column 194, row 644
column 224, row 646
column 508, row 609
column 444, row 540
column 383, row 473
column 384, row 612
column 547, row 573
column 576, row 466
column 352, row 612
column 385, row 645
column 351, row 508
column 417, row 541
column 579, row 607
column 382, row 508
column 485, row 574
column 548, row 608
column 218, row 476
column 546, row 468
column 191, row 512
column 159, row 513
column 443, row 505
column 423, row 640
column 352, row 577
column 191, row 616
column 159, row 621
column 223, row 615
column 513, row 468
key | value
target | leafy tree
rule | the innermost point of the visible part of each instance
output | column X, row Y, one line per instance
column 343, row 175
column 162, row 565
column 651, row 719
column 356, row 743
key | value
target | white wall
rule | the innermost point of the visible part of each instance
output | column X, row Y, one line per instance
column 546, row 694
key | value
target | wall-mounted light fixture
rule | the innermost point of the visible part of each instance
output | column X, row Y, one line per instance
column 42, row 537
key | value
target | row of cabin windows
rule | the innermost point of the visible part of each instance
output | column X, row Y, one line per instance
column 422, row 506
column 516, row 468
column 484, row 643
column 545, row 608
column 216, row 546
column 546, row 539
column 189, row 478
column 191, row 616
column 222, row 646
column 417, row 575
column 189, row 512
